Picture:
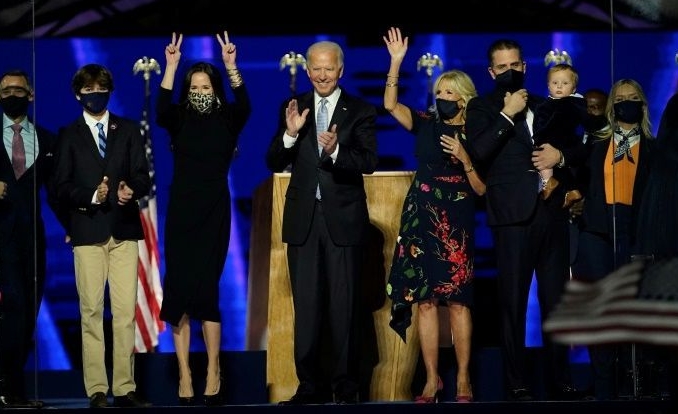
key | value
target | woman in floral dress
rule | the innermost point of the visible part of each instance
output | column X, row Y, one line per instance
column 433, row 258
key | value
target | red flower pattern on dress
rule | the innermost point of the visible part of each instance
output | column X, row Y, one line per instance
column 455, row 253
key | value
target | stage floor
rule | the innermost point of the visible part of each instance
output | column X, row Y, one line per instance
column 74, row 405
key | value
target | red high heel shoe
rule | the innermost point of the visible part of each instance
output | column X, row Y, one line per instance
column 465, row 398
column 420, row 399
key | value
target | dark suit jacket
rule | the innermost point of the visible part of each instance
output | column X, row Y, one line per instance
column 22, row 203
column 341, row 182
column 505, row 152
column 80, row 169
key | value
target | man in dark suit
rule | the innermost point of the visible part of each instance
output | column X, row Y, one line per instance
column 325, row 220
column 530, row 234
column 24, row 170
column 101, row 172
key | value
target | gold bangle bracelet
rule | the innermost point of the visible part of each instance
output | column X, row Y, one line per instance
column 391, row 84
column 234, row 77
column 471, row 169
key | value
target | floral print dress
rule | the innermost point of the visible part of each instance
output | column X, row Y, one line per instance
column 433, row 256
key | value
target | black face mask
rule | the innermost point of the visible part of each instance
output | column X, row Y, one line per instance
column 95, row 102
column 630, row 112
column 593, row 123
column 447, row 109
column 511, row 80
column 14, row 106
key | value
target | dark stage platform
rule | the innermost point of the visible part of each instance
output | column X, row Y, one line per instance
column 538, row 407
column 246, row 389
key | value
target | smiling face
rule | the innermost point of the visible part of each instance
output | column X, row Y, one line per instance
column 324, row 68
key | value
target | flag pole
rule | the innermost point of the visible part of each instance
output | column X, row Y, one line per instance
column 149, row 292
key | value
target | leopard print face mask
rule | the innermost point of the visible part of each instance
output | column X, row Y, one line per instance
column 202, row 103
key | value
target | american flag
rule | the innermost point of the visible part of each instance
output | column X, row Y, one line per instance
column 638, row 303
column 149, row 292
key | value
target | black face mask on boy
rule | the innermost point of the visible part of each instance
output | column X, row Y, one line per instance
column 95, row 102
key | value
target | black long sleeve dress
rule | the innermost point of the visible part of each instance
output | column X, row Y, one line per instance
column 198, row 222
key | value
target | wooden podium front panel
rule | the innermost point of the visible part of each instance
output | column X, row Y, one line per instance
column 393, row 371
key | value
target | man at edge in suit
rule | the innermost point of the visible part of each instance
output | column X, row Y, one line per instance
column 325, row 221
column 24, row 172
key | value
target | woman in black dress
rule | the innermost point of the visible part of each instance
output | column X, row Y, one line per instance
column 204, row 129
column 433, row 258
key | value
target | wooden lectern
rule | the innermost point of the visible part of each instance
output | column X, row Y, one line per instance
column 395, row 361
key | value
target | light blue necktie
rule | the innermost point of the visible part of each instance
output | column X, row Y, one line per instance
column 321, row 126
column 321, row 123
column 102, row 140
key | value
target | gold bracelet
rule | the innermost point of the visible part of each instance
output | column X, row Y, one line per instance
column 234, row 77
column 391, row 76
column 471, row 169
column 391, row 84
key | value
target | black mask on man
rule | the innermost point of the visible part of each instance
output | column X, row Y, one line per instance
column 14, row 106
column 593, row 123
column 627, row 111
column 511, row 80
column 447, row 109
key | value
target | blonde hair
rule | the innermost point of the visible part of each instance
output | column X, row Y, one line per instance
column 460, row 82
column 560, row 67
column 644, row 123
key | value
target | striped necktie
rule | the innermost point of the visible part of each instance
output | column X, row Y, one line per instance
column 102, row 139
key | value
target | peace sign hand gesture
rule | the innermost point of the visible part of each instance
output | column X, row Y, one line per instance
column 173, row 50
column 228, row 52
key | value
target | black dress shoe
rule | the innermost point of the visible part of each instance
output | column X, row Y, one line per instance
column 567, row 392
column 10, row 401
column 346, row 398
column 302, row 399
column 130, row 400
column 520, row 394
column 98, row 400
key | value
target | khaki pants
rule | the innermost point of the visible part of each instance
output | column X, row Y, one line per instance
column 115, row 262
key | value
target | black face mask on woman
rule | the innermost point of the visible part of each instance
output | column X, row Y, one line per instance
column 511, row 80
column 630, row 112
column 447, row 109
